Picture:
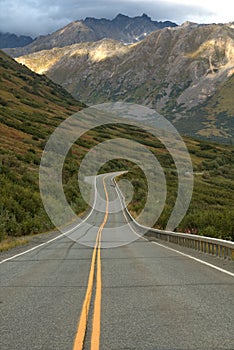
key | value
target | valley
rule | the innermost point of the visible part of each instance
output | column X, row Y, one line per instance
column 31, row 108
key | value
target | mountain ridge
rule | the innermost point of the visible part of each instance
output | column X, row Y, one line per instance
column 10, row 40
column 122, row 28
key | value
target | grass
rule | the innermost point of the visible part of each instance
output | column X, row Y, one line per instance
column 12, row 242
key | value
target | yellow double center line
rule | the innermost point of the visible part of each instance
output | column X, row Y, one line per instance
column 82, row 325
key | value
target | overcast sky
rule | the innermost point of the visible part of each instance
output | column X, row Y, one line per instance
column 38, row 17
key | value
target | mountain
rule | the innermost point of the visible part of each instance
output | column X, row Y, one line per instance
column 125, row 29
column 8, row 40
column 122, row 28
column 178, row 71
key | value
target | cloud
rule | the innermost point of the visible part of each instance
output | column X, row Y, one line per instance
column 37, row 17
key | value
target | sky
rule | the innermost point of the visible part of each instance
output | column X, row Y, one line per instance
column 39, row 17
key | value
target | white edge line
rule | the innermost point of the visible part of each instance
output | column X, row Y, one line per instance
column 30, row 250
column 121, row 203
column 91, row 211
column 196, row 259
column 171, row 249
column 62, row 235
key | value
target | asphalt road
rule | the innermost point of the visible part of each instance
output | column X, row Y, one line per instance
column 72, row 293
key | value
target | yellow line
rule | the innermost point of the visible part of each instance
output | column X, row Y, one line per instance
column 95, row 339
column 79, row 340
column 80, row 335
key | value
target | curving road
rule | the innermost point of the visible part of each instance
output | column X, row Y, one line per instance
column 72, row 293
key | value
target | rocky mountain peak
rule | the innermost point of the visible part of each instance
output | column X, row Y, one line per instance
column 146, row 16
column 189, row 24
column 120, row 16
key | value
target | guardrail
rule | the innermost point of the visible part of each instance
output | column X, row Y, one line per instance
column 216, row 247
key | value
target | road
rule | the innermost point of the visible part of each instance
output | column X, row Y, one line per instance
column 71, row 294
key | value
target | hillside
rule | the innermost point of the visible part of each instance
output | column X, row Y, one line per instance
column 31, row 106
column 30, row 103
column 178, row 71
column 122, row 28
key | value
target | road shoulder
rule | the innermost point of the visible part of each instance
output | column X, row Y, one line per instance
column 225, row 264
column 33, row 241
